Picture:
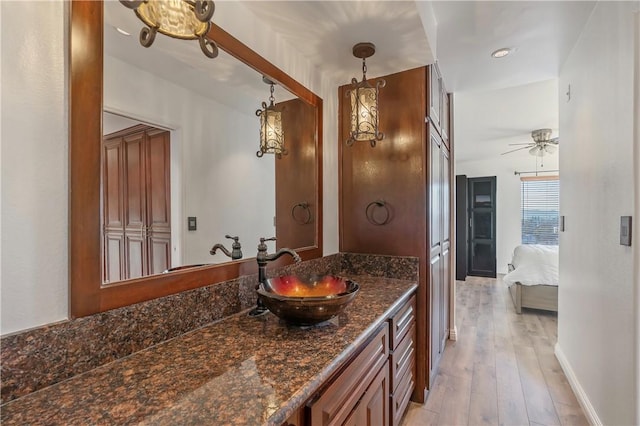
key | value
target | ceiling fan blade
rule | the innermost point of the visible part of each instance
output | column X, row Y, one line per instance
column 514, row 150
column 554, row 141
column 527, row 143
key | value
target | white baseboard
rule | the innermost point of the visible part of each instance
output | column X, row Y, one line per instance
column 581, row 395
column 453, row 333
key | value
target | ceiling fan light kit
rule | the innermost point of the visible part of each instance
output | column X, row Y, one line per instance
column 542, row 143
column 541, row 135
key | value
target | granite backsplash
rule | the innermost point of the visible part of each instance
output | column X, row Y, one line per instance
column 37, row 358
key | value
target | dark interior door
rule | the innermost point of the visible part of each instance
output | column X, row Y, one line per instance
column 462, row 225
column 482, row 226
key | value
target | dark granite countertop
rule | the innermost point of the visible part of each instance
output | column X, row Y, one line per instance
column 240, row 370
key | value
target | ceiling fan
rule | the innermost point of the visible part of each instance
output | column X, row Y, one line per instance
column 542, row 143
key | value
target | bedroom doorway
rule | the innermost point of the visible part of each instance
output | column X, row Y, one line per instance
column 482, row 227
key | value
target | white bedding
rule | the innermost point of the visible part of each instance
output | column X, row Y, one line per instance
column 534, row 265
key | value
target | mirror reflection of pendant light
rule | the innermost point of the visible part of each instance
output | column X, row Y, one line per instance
column 364, row 102
column 182, row 19
column 271, row 132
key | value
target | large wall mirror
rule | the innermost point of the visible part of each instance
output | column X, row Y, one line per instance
column 163, row 161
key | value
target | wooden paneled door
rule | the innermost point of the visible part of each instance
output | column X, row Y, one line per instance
column 136, row 203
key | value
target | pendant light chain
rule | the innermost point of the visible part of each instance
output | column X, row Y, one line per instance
column 364, row 69
column 272, row 98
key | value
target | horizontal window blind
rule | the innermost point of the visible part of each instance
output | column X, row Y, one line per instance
column 540, row 207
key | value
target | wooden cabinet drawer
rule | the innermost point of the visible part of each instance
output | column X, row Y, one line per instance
column 402, row 321
column 338, row 399
column 403, row 358
column 400, row 398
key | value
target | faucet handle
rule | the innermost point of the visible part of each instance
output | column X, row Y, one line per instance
column 236, row 247
column 262, row 247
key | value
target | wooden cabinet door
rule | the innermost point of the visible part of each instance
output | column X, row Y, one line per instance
column 445, row 119
column 373, row 409
column 436, row 303
column 446, row 249
column 342, row 397
column 135, row 214
column 136, row 202
column 435, row 190
column 113, row 210
column 158, row 201
column 435, row 96
column 440, row 227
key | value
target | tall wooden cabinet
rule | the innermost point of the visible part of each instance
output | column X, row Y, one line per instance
column 396, row 198
column 136, row 203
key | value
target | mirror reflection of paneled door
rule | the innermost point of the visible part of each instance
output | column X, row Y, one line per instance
column 136, row 201
column 482, row 226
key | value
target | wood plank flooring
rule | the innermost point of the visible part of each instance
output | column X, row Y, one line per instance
column 501, row 370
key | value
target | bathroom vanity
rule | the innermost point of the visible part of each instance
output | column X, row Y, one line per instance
column 246, row 370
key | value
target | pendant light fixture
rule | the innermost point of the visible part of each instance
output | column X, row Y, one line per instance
column 271, row 132
column 182, row 19
column 364, row 101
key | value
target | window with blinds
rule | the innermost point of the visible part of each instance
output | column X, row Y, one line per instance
column 540, row 207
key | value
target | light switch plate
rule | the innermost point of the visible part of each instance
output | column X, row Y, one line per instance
column 191, row 223
column 625, row 230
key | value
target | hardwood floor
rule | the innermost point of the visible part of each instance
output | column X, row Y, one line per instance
column 501, row 370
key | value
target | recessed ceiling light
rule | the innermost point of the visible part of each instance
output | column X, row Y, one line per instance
column 121, row 31
column 501, row 53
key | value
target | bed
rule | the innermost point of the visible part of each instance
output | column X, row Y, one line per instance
column 533, row 277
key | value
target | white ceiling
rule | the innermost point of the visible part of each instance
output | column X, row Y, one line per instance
column 542, row 32
column 496, row 100
column 224, row 79
column 495, row 118
column 325, row 32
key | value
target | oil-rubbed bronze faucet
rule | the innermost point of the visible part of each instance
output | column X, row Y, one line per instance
column 263, row 258
column 236, row 248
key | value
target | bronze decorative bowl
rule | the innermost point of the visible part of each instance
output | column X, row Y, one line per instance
column 307, row 300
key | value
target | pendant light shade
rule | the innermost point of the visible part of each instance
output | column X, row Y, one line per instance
column 364, row 102
column 181, row 19
column 271, row 132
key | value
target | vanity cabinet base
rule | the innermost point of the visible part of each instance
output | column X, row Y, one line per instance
column 375, row 387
